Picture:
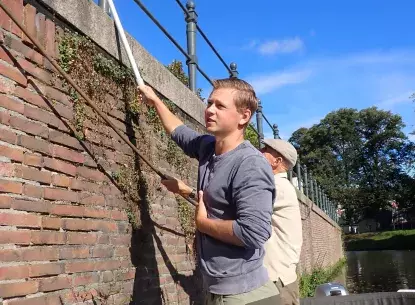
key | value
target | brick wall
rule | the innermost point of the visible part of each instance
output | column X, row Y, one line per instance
column 65, row 220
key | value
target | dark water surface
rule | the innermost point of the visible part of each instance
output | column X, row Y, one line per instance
column 377, row 271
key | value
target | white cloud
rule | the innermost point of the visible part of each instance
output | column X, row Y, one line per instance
column 395, row 100
column 411, row 137
column 266, row 83
column 284, row 46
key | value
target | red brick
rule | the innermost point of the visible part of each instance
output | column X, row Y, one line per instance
column 46, row 269
column 4, row 118
column 107, row 265
column 18, row 289
column 52, row 93
column 30, row 97
column 33, row 160
column 124, row 276
column 11, row 153
column 78, row 238
column 51, row 223
column 14, row 272
column 10, row 255
column 33, row 174
column 67, row 210
column 55, row 283
column 107, row 276
column 4, row 55
column 122, row 240
column 29, row 127
column 17, row 10
column 76, row 267
column 83, row 185
column 48, row 238
column 67, row 154
column 7, row 135
column 122, row 251
column 33, row 191
column 96, row 213
column 35, row 144
column 45, row 117
column 35, row 71
column 13, row 74
column 102, row 252
column 5, row 21
column 30, row 206
column 50, row 38
column 15, row 237
column 11, row 104
column 85, row 279
column 60, row 166
column 64, row 139
column 103, row 239
column 73, row 253
column 20, row 220
column 92, row 199
column 40, row 28
column 119, row 215
column 7, row 186
column 5, row 202
column 29, row 21
column 47, row 299
column 78, row 225
column 91, row 174
column 18, row 47
column 7, row 169
column 60, row 194
column 61, row 180
column 39, row 254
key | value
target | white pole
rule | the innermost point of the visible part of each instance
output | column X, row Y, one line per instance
column 133, row 63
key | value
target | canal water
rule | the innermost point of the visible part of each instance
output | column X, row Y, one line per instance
column 377, row 271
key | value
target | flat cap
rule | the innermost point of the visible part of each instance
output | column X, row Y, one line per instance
column 284, row 148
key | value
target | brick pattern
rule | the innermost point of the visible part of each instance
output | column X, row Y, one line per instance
column 65, row 234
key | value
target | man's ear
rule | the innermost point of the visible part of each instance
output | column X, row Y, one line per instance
column 245, row 117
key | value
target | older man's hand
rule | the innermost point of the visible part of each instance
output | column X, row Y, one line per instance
column 176, row 186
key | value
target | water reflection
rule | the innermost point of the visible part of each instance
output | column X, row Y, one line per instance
column 377, row 271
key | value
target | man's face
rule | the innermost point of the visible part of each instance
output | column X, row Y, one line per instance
column 221, row 114
column 274, row 159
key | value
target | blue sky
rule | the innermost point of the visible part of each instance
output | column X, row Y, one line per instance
column 304, row 58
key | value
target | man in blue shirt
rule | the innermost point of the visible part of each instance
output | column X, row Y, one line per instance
column 236, row 193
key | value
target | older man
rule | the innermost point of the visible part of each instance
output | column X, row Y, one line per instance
column 282, row 250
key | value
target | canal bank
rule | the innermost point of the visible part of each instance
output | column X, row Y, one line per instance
column 387, row 240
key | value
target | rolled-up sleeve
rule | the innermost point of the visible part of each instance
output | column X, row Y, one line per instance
column 253, row 195
column 188, row 140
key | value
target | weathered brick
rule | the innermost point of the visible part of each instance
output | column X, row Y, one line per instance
column 55, row 283
column 48, row 238
column 15, row 237
column 96, row 213
column 85, row 279
column 60, row 166
column 13, row 74
column 51, row 92
column 75, row 267
column 33, row 191
column 40, row 28
column 122, row 251
column 84, row 185
column 29, row 20
column 74, row 252
column 35, row 71
column 7, row 186
column 16, row 7
column 7, row 135
column 122, row 240
column 14, row 272
column 53, row 223
column 7, row 169
column 92, row 174
column 30, row 97
column 102, row 252
column 107, row 265
column 67, row 210
column 35, row 144
column 18, row 289
column 60, row 194
column 29, row 127
column 46, row 269
column 33, row 160
column 46, row 299
column 67, row 154
column 39, row 254
column 64, row 139
column 11, row 104
column 30, row 206
column 107, row 276
column 14, row 154
column 20, row 220
column 103, row 239
column 61, row 180
column 33, row 174
column 5, row 55
column 119, row 215
column 78, row 238
column 4, row 118
column 50, row 38
column 92, row 199
column 5, row 202
column 45, row 117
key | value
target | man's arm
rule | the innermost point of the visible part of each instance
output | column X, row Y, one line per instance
column 168, row 119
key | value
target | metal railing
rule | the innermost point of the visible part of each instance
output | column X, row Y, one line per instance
column 300, row 178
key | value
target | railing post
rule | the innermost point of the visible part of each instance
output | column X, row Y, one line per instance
column 312, row 193
column 191, row 19
column 275, row 131
column 317, row 193
column 320, row 191
column 306, row 185
column 290, row 176
column 298, row 168
column 259, row 125
column 104, row 5
column 234, row 72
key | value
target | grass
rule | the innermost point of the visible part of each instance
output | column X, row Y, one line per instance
column 309, row 282
column 388, row 240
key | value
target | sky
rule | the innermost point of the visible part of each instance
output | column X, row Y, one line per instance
column 304, row 58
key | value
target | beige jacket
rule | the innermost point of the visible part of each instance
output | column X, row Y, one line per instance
column 282, row 250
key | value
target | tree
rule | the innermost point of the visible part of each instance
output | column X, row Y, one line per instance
column 176, row 67
column 359, row 157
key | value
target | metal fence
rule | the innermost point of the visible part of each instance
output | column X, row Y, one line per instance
column 299, row 176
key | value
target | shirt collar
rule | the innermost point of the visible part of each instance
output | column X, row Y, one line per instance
column 282, row 175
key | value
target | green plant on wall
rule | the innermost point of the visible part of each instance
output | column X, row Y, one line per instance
column 176, row 68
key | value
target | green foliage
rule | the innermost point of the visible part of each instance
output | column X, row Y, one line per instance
column 186, row 219
column 176, row 68
column 360, row 157
column 111, row 69
column 68, row 49
column 309, row 282
column 251, row 135
column 387, row 240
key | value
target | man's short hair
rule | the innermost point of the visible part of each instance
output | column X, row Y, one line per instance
column 245, row 97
